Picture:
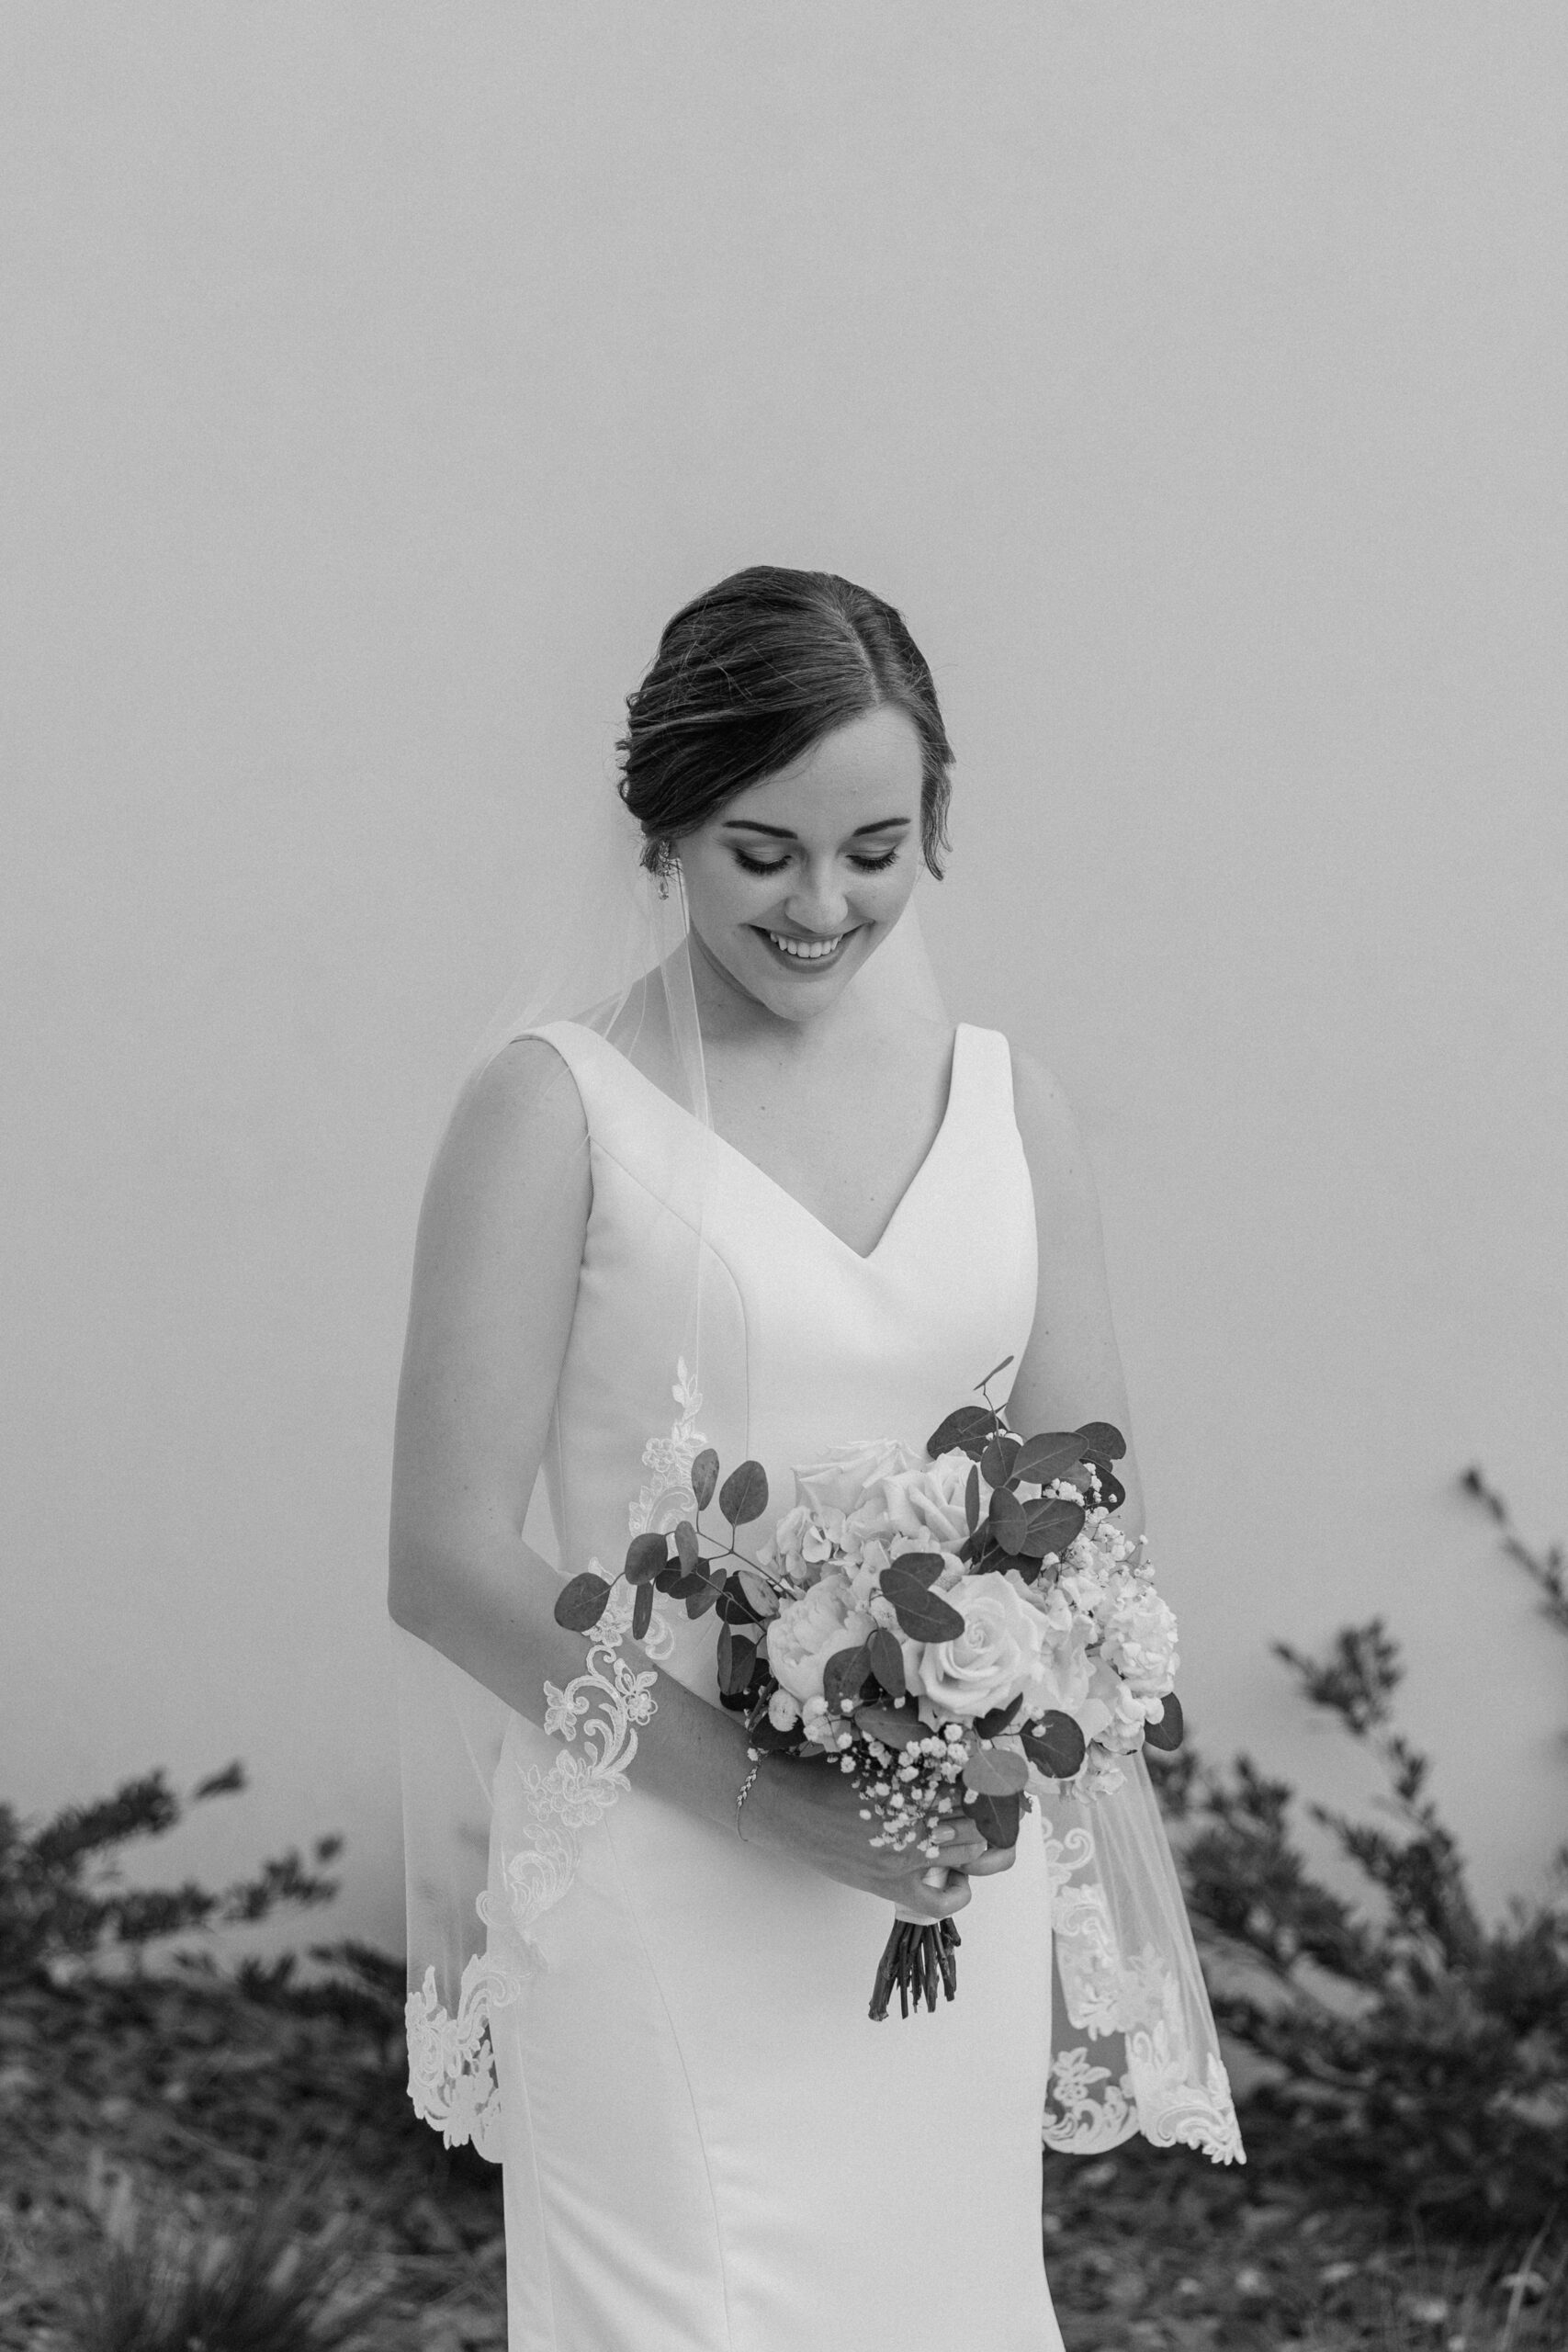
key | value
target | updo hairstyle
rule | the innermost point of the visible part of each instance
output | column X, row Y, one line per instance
column 749, row 676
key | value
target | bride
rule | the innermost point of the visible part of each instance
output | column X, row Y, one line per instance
column 764, row 1179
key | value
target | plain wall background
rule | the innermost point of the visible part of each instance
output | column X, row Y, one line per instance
column 378, row 379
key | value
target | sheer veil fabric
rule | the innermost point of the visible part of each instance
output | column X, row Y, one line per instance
column 1134, row 2045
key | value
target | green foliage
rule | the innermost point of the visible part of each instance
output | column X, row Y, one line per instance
column 1413, row 2055
column 61, row 1902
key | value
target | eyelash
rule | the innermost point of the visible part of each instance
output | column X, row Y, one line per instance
column 866, row 864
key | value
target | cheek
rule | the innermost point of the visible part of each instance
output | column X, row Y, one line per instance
column 885, row 895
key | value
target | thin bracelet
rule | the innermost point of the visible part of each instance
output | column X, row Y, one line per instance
column 745, row 1788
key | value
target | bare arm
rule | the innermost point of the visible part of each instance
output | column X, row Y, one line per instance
column 1071, row 1371
column 496, row 1264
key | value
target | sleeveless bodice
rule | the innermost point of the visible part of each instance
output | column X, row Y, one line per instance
column 804, row 1343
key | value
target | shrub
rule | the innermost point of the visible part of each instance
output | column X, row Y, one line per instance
column 281, row 2282
column 61, row 1902
column 1413, row 2055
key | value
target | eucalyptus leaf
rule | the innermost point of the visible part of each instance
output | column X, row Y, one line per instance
column 687, row 1548
column 580, row 1604
column 923, row 1616
column 1055, row 1744
column 1104, row 1437
column 698, row 1604
column 886, row 1661
column 997, row 1719
column 999, row 1459
column 845, row 1675
column 972, row 1497
column 1051, row 1455
column 735, row 1606
column 1008, row 1521
column 1112, row 1493
column 704, row 1478
column 996, row 1771
column 744, row 1494
column 737, row 1656
column 970, row 1428
column 765, row 1734
column 924, row 1566
column 646, row 1555
column 642, row 1611
column 893, row 1727
column 996, row 1818
column 670, row 1579
column 1052, row 1524
column 1170, row 1731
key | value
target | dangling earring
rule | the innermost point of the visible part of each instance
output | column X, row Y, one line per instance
column 663, row 866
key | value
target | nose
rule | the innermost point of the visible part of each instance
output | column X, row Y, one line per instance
column 818, row 904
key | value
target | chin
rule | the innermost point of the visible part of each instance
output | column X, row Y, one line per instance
column 794, row 997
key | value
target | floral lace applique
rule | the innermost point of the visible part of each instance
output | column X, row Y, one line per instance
column 452, row 2078
column 1135, row 1998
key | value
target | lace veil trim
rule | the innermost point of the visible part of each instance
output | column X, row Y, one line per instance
column 452, row 2077
column 1138, row 2003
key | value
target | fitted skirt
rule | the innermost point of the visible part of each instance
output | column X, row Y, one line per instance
column 708, row 2145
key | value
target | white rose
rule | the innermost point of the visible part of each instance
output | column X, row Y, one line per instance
column 806, row 1632
column 922, row 1500
column 839, row 1481
column 998, row 1656
column 784, row 1711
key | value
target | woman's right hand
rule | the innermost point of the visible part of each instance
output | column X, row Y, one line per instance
column 815, row 1812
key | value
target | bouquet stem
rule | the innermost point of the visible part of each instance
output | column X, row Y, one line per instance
column 918, row 1956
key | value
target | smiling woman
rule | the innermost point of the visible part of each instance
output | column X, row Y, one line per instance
column 753, row 675
column 774, row 1173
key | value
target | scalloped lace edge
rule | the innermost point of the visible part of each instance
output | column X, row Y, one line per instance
column 1160, row 2091
column 452, row 2077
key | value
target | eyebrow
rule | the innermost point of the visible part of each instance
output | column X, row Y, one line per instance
column 782, row 832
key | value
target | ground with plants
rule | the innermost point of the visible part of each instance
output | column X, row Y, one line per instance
column 199, row 2162
column 186, row 2103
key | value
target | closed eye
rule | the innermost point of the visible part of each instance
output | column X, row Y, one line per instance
column 777, row 864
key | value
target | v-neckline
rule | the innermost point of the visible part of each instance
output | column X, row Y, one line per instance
column 861, row 1256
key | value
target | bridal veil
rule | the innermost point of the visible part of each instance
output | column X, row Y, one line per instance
column 1133, row 2041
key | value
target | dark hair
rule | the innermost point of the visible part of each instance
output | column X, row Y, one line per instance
column 749, row 676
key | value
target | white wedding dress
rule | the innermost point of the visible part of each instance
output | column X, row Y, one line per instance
column 707, row 2145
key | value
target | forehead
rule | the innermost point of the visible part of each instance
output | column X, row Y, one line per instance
column 867, row 770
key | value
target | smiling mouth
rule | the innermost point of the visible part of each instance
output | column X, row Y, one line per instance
column 809, row 954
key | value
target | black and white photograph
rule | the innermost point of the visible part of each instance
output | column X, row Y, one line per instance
column 785, row 1319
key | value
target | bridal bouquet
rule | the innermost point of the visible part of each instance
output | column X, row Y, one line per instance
column 944, row 1626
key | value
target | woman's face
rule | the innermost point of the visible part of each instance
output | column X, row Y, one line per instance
column 799, row 877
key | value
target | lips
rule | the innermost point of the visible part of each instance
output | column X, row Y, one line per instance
column 805, row 951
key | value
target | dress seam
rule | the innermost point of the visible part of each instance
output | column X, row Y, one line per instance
column 520, row 2075
column 635, row 1916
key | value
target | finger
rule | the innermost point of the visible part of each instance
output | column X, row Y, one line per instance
column 962, row 1852
column 956, row 1842
column 936, row 1903
column 994, row 1859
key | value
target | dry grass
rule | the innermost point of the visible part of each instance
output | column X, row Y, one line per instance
column 181, row 2164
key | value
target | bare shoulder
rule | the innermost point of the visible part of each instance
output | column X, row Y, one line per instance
column 524, row 1101
column 1052, row 1143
